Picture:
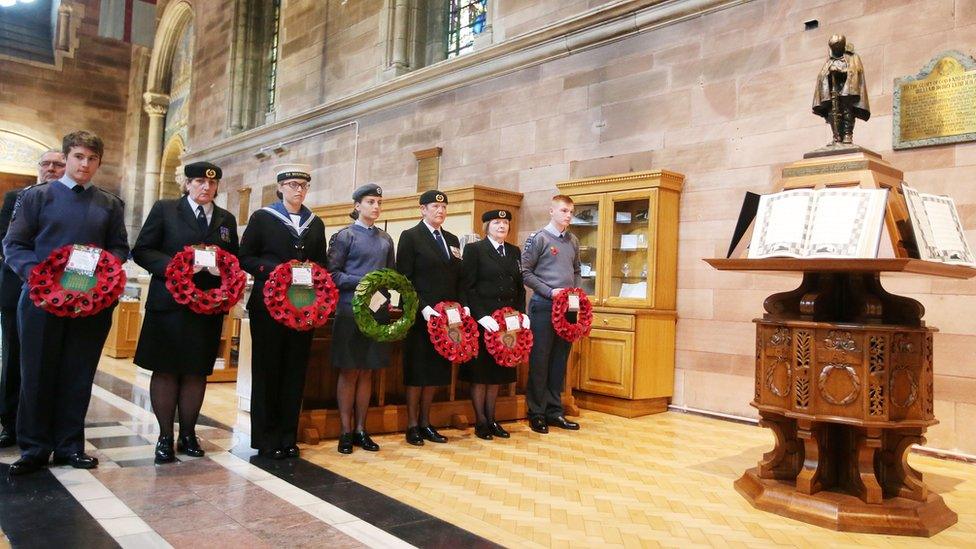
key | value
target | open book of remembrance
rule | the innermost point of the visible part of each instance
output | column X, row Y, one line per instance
column 938, row 230
column 843, row 222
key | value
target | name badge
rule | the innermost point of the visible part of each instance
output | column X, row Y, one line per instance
column 573, row 302
column 83, row 260
column 204, row 258
column 513, row 323
column 453, row 316
column 301, row 276
column 376, row 301
column 394, row 298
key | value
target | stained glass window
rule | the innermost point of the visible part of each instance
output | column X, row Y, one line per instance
column 273, row 53
column 465, row 20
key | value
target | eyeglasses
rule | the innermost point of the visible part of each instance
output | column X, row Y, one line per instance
column 49, row 163
column 296, row 185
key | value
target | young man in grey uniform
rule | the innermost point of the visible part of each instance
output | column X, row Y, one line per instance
column 550, row 264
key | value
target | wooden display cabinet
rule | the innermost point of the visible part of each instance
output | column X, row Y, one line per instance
column 124, row 334
column 627, row 225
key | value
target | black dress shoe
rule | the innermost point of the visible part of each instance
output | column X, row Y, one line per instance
column 414, row 437
column 272, row 453
column 292, row 451
column 483, row 431
column 538, row 424
column 345, row 443
column 189, row 445
column 362, row 440
column 562, row 423
column 497, row 430
column 78, row 460
column 432, row 435
column 164, row 450
column 26, row 465
column 7, row 438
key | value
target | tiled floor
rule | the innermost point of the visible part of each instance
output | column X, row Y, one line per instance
column 663, row 480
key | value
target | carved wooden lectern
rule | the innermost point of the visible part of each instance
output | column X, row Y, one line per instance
column 844, row 378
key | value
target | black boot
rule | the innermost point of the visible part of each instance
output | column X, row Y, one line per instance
column 164, row 450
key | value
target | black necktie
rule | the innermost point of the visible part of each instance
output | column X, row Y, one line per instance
column 201, row 219
column 501, row 250
column 78, row 189
column 440, row 242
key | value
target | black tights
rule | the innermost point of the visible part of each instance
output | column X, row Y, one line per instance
column 483, row 399
column 353, row 393
column 419, row 401
column 166, row 391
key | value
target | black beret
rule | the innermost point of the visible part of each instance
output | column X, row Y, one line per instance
column 496, row 214
column 202, row 169
column 369, row 189
column 433, row 196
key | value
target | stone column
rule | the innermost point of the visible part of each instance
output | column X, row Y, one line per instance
column 398, row 52
column 156, row 105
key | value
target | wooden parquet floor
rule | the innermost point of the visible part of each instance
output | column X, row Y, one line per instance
column 658, row 481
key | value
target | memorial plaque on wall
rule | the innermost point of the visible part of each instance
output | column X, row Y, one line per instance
column 937, row 105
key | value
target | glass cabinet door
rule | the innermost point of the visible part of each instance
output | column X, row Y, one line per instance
column 629, row 240
column 585, row 225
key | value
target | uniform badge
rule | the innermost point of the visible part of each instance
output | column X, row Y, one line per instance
column 211, row 173
column 553, row 250
column 379, row 191
column 225, row 234
column 502, row 214
column 439, row 198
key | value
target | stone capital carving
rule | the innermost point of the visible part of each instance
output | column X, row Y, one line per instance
column 155, row 104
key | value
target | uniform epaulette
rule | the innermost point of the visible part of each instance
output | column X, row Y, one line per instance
column 529, row 241
column 35, row 185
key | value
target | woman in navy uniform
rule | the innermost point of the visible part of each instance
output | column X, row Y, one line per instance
column 491, row 279
column 431, row 258
column 354, row 252
column 178, row 345
column 281, row 232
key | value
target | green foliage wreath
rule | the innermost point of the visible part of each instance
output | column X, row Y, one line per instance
column 384, row 279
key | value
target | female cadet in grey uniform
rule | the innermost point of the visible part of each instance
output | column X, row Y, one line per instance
column 354, row 252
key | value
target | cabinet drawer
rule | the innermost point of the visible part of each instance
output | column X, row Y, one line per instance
column 613, row 321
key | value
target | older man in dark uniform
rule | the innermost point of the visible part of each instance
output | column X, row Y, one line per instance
column 59, row 355
column 431, row 258
column 49, row 168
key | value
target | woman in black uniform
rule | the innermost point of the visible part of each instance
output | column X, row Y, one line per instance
column 177, row 344
column 490, row 279
column 354, row 252
column 281, row 232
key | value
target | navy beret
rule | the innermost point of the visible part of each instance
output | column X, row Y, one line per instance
column 433, row 196
column 369, row 189
column 202, row 169
column 496, row 214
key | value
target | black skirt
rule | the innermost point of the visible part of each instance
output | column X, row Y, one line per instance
column 179, row 342
column 484, row 369
column 352, row 350
column 422, row 365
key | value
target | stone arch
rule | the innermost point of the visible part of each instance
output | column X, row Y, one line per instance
column 174, row 23
column 171, row 174
column 19, row 151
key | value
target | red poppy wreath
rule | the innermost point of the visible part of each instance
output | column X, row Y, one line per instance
column 508, row 347
column 179, row 282
column 300, row 307
column 457, row 343
column 571, row 331
column 74, row 295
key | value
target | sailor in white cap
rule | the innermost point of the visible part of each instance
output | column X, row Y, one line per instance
column 283, row 231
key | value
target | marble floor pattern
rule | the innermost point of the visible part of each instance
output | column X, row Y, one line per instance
column 658, row 481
